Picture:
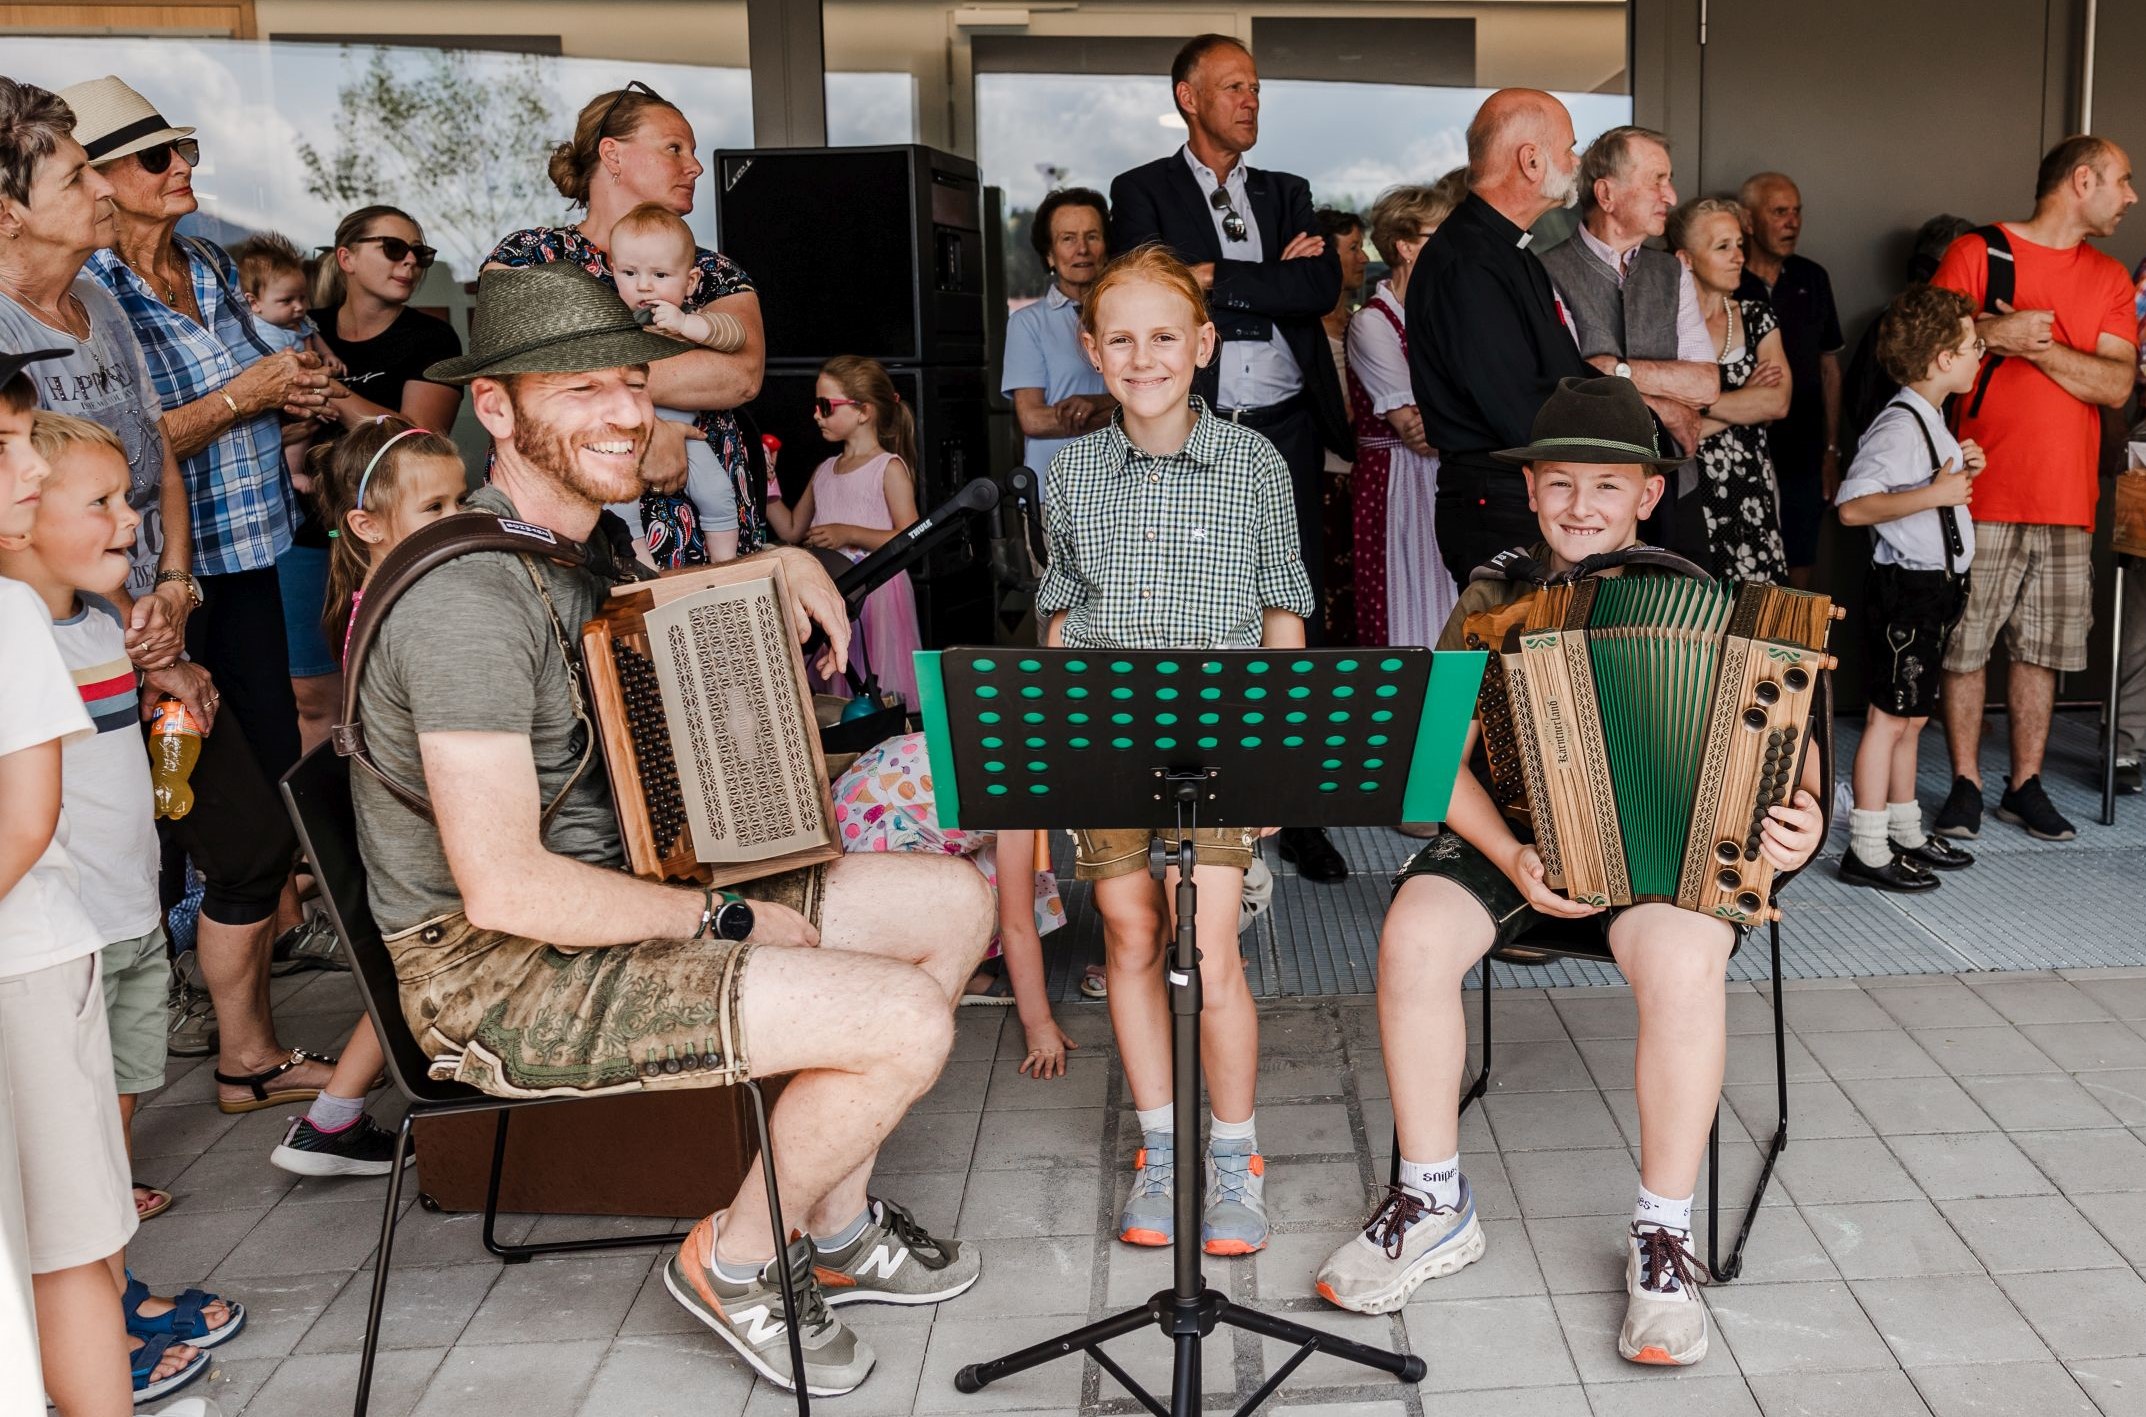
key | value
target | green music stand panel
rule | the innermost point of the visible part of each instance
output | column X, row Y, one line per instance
column 1023, row 738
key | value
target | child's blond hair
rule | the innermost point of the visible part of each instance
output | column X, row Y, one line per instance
column 654, row 218
column 54, row 435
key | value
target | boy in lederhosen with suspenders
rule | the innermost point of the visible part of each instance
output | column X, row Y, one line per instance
column 1910, row 484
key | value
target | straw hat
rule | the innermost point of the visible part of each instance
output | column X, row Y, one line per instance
column 554, row 319
column 113, row 121
column 1593, row 421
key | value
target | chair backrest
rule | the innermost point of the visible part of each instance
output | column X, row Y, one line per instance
column 317, row 794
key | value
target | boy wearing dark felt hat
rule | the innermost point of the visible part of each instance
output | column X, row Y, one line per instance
column 1593, row 472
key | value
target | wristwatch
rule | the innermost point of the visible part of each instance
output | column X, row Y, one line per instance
column 185, row 578
column 732, row 920
column 1622, row 370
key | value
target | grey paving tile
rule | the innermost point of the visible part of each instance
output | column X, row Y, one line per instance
column 1532, row 1019
column 1507, row 1268
column 2023, row 1234
column 1544, row 1065
column 961, row 1088
column 1876, row 1053
column 2041, row 1001
column 2116, row 1385
column 554, row 1300
column 180, row 1131
column 1282, row 1079
column 1359, row 1409
column 1699, row 1393
column 1939, row 1003
column 1033, row 1275
column 1822, row 1393
column 1934, row 1320
column 2001, row 1390
column 1147, row 1356
column 934, row 1197
column 1749, row 1012
column 192, row 1245
column 1305, row 1128
column 937, row 1141
column 2106, row 1160
column 1751, row 1060
column 2090, row 1314
column 1135, row 1272
column 2122, row 1091
column 1490, row 1344
column 1982, row 1052
column 1056, row 1200
column 1782, row 1247
column 1590, row 1013
column 1550, row 1121
column 655, row 1312
column 220, row 1180
column 2121, row 1219
column 1972, row 1164
column 1832, row 1011
column 1840, row 1170
column 232, row 1382
column 299, row 1384
column 1796, row 1328
column 332, row 1237
column 1086, row 1084
column 1554, row 1183
column 2125, row 998
column 2048, row 1101
column 527, row 1379
column 1324, row 1370
column 976, row 1034
column 278, row 1311
column 1316, row 1193
column 1815, row 1109
column 1905, row 1106
column 1581, row 1254
column 1308, row 1031
column 1289, row 1267
column 651, row 1373
column 1609, row 1062
column 425, row 1237
column 1591, row 1322
column 2088, row 1047
column 1890, row 1239
column 426, row 1308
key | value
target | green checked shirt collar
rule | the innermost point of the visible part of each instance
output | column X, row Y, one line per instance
column 1184, row 550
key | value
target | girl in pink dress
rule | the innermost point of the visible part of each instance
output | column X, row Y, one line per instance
column 858, row 499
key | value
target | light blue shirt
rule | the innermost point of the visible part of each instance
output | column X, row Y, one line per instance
column 1253, row 373
column 1043, row 352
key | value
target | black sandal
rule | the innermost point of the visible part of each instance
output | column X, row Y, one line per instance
column 258, row 1084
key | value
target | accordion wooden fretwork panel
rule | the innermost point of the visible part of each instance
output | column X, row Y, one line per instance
column 700, row 698
column 1652, row 720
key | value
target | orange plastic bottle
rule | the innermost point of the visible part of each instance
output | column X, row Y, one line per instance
column 174, row 744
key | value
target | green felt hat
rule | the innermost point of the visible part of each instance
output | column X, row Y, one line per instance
column 1601, row 420
column 552, row 319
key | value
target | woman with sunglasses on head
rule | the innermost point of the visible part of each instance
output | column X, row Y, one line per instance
column 632, row 146
column 362, row 300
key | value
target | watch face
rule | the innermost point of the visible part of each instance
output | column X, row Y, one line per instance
column 734, row 921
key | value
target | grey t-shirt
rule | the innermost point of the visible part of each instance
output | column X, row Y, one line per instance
column 105, row 380
column 470, row 649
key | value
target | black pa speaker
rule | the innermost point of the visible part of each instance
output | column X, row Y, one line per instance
column 875, row 251
column 953, row 586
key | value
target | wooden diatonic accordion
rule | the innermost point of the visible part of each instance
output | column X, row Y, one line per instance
column 700, row 698
column 1644, row 724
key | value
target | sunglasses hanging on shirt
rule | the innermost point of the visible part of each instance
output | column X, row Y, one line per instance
column 1232, row 223
column 156, row 161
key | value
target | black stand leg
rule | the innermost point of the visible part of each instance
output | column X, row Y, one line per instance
column 1188, row 1310
column 522, row 1254
column 388, row 1217
column 1725, row 1270
column 781, row 1234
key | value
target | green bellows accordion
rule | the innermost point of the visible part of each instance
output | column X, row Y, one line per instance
column 1645, row 723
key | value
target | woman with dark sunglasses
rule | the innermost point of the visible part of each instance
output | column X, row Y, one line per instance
column 632, row 146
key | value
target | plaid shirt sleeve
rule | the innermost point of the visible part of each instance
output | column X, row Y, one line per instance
column 1061, row 588
column 1283, row 583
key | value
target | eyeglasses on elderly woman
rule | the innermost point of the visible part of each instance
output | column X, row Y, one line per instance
column 156, row 161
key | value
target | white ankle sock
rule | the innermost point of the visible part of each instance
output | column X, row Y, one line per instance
column 1903, row 824
column 1437, row 1182
column 1245, row 1131
column 330, row 1113
column 1660, row 1211
column 1866, row 837
column 1157, row 1119
column 735, row 1273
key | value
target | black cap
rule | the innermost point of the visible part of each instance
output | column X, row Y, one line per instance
column 12, row 364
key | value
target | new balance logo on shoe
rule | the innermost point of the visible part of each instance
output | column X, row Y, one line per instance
column 760, row 1324
column 882, row 1263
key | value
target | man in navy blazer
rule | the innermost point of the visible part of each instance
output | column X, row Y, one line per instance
column 1254, row 244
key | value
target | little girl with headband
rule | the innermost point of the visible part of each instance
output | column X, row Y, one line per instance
column 375, row 486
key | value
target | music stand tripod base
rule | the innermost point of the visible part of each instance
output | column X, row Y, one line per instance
column 1147, row 738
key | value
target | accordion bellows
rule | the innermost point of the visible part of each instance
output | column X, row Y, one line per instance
column 1645, row 724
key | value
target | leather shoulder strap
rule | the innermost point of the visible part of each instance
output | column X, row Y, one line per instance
column 433, row 546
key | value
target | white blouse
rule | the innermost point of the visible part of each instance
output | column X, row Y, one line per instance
column 1376, row 357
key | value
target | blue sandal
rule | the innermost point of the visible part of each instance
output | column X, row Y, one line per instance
column 184, row 1322
column 142, row 1365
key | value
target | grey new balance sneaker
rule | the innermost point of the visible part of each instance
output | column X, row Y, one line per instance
column 896, row 1261
column 750, row 1317
column 1406, row 1243
column 1664, row 1322
column 1148, row 1216
column 1235, row 1218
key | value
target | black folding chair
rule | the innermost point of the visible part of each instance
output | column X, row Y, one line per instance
column 317, row 794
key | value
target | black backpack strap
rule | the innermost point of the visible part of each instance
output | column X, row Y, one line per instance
column 1998, row 285
column 435, row 545
column 1948, row 517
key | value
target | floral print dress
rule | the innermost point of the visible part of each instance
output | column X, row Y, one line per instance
column 673, row 525
column 1738, row 495
column 884, row 803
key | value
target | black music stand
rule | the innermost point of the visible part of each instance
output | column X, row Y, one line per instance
column 1152, row 738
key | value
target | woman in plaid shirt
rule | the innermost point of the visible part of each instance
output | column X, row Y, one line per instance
column 1173, row 529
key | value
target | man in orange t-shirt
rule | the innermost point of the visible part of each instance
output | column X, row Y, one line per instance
column 2064, row 346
